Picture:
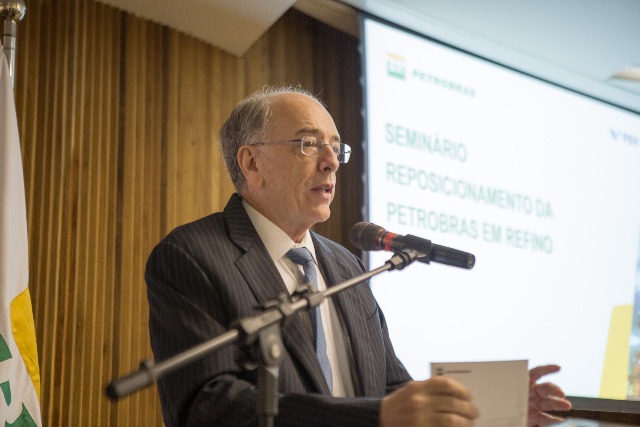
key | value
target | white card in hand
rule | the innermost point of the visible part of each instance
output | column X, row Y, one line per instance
column 500, row 390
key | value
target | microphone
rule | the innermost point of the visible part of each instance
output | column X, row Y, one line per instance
column 371, row 237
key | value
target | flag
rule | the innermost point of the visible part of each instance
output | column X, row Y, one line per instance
column 19, row 371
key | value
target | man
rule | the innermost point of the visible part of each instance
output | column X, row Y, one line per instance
column 282, row 150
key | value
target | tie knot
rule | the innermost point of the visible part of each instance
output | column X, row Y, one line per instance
column 300, row 255
column 303, row 257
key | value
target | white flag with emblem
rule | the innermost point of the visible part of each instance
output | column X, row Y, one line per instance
column 19, row 371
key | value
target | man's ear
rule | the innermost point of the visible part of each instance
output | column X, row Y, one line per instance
column 248, row 164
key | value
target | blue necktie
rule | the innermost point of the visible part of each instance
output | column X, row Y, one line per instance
column 303, row 257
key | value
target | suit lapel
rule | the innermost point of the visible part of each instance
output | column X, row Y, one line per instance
column 265, row 282
column 367, row 378
column 255, row 264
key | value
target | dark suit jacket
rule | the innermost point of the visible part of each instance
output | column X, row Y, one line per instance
column 206, row 274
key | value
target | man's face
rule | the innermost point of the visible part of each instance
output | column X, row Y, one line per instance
column 295, row 190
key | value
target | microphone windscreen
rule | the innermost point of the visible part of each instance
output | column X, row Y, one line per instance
column 365, row 236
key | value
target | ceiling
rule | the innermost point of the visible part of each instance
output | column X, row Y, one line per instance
column 589, row 45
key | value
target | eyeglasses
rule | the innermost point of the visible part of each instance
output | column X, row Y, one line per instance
column 311, row 146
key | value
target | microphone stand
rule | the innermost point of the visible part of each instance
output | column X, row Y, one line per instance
column 260, row 340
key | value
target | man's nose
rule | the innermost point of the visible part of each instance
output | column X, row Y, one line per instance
column 329, row 156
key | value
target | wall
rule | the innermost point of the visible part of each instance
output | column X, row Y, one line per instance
column 118, row 120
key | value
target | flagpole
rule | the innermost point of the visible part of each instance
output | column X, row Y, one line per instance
column 11, row 12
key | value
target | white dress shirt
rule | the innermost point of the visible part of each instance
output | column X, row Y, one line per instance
column 278, row 244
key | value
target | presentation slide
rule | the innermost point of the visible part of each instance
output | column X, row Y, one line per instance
column 541, row 184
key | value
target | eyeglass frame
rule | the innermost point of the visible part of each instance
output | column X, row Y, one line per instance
column 344, row 150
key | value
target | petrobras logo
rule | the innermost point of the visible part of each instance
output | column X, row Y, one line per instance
column 396, row 66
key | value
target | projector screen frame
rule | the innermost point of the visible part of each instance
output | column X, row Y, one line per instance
column 580, row 403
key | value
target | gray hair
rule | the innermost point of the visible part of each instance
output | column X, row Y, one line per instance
column 246, row 125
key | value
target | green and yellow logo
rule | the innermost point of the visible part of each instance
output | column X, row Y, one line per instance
column 396, row 66
column 24, row 419
column 21, row 320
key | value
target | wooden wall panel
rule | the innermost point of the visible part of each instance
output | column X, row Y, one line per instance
column 118, row 119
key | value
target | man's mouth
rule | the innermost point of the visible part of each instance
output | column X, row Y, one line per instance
column 326, row 188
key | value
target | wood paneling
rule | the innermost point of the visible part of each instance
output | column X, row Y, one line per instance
column 118, row 120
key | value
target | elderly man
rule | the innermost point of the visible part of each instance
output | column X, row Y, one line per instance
column 282, row 150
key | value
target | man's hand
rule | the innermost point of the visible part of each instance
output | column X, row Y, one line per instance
column 545, row 397
column 437, row 402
